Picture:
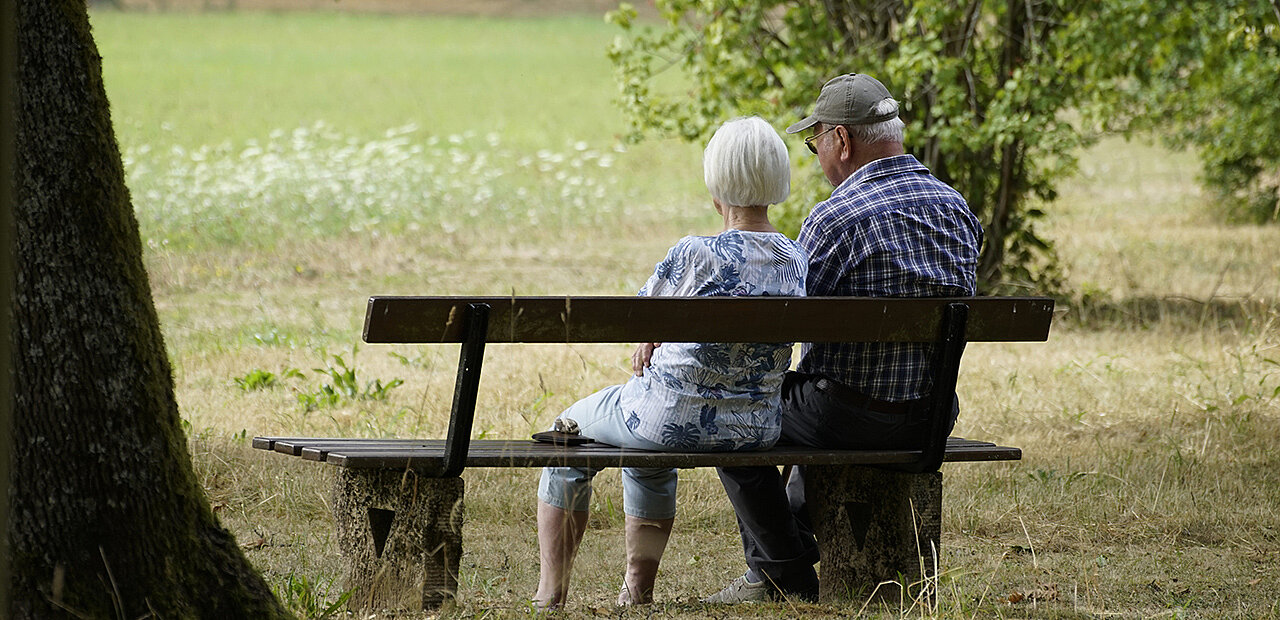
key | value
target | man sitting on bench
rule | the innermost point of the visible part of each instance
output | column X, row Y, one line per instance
column 890, row 229
column 694, row 396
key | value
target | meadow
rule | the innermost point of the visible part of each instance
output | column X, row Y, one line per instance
column 284, row 166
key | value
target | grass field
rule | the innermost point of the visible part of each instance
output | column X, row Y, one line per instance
column 286, row 166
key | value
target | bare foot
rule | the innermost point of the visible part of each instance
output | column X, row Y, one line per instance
column 546, row 604
column 625, row 599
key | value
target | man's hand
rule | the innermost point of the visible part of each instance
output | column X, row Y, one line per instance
column 640, row 359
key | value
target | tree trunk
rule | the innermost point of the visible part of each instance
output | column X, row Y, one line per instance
column 107, row 518
column 8, row 49
column 1010, row 189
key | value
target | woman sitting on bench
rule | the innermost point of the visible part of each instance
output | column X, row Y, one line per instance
column 691, row 396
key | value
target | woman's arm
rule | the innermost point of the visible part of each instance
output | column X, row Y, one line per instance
column 640, row 359
column 664, row 282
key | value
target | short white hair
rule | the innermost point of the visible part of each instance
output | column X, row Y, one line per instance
column 745, row 164
column 884, row 131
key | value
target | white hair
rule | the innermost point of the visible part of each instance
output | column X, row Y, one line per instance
column 884, row 131
column 745, row 164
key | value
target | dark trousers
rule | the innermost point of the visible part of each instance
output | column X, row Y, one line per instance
column 776, row 537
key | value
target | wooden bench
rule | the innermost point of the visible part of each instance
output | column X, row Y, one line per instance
column 877, row 513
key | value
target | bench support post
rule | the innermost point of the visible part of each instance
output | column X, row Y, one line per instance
column 463, row 413
column 401, row 536
column 875, row 526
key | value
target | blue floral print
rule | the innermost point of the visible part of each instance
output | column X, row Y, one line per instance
column 683, row 436
column 717, row 396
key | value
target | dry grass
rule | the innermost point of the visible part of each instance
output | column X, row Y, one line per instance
column 1135, row 226
column 1144, row 492
column 1149, row 485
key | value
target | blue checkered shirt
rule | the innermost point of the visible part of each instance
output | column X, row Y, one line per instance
column 890, row 230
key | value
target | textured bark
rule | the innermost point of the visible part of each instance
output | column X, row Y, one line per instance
column 8, row 48
column 874, row 526
column 401, row 535
column 107, row 517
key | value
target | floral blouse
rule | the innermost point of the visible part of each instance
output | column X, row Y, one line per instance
column 717, row 396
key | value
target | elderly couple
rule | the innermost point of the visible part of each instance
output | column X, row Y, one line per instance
column 890, row 229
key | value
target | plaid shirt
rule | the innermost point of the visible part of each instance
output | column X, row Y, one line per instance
column 890, row 230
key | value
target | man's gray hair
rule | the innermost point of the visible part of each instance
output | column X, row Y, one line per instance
column 884, row 131
column 745, row 164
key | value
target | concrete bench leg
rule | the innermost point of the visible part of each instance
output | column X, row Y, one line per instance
column 401, row 536
column 874, row 526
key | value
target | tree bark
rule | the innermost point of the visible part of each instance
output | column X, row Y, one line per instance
column 1009, row 189
column 107, row 517
column 8, row 49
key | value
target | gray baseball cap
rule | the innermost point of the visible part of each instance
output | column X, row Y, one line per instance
column 847, row 100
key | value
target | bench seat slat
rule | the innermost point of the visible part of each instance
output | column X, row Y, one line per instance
column 426, row 320
column 294, row 446
column 426, row 453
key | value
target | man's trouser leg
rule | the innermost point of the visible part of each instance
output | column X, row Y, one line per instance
column 775, row 544
column 776, row 537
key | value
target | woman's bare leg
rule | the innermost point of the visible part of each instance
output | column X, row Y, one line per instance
column 646, row 540
column 559, row 533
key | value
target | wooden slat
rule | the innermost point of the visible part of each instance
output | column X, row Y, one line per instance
column 295, row 446
column 410, row 320
column 427, row 453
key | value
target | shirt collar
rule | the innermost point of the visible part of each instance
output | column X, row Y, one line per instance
column 885, row 167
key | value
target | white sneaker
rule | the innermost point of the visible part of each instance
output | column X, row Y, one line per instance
column 742, row 591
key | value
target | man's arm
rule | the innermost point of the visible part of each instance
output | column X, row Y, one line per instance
column 830, row 256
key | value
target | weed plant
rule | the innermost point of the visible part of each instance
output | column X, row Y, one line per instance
column 310, row 599
column 257, row 379
column 339, row 383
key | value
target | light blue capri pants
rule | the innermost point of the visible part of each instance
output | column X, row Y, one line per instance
column 647, row 492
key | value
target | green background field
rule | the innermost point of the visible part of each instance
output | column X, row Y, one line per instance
column 206, row 78
column 284, row 166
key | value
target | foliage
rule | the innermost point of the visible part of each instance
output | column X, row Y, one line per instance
column 308, row 597
column 1207, row 73
column 998, row 96
column 984, row 108
column 259, row 379
column 343, row 384
column 256, row 379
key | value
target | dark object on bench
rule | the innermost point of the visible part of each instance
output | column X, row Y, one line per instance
column 558, row 438
column 877, row 513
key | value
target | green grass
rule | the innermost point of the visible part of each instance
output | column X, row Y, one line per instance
column 244, row 129
column 207, row 78
column 274, row 201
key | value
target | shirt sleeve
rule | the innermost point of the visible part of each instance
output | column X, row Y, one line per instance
column 667, row 273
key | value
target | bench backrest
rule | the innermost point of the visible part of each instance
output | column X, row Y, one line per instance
column 405, row 320
column 474, row 321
